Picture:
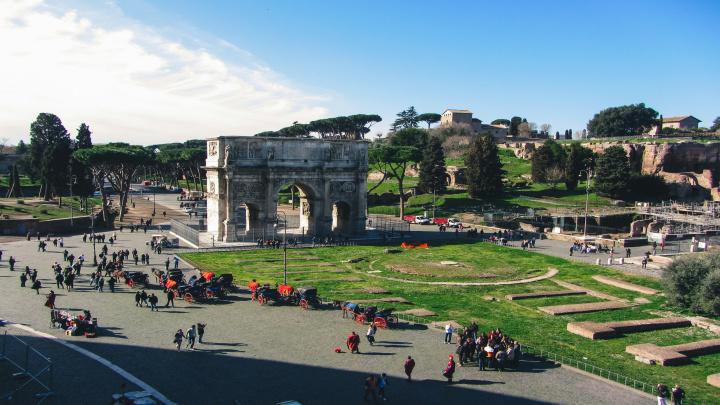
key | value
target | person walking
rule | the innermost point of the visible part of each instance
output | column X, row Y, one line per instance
column 59, row 281
column 177, row 262
column 190, row 336
column 370, row 386
column 50, row 302
column 170, row 298
column 200, row 331
column 372, row 329
column 143, row 298
column 111, row 284
column 662, row 394
column 11, row 262
column 153, row 299
column 100, row 283
column 448, row 333
column 167, row 264
column 353, row 343
column 36, row 285
column 178, row 338
column 678, row 394
column 382, row 383
column 409, row 366
column 23, row 279
column 449, row 369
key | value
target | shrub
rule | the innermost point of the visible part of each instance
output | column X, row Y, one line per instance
column 693, row 282
column 18, row 209
column 647, row 187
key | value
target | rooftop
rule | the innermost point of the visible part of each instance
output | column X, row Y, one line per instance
column 459, row 111
column 678, row 118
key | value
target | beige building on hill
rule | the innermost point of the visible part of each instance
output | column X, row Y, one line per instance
column 680, row 122
column 456, row 117
column 465, row 117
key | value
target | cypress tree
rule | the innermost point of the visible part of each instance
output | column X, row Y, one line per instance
column 613, row 172
column 432, row 168
column 484, row 170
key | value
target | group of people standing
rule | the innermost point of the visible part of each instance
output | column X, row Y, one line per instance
column 194, row 331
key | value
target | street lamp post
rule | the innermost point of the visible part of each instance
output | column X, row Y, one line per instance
column 153, row 202
column 73, row 180
column 587, row 199
column 284, row 247
column 92, row 234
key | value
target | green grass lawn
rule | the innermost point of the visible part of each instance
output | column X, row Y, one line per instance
column 24, row 181
column 43, row 211
column 336, row 279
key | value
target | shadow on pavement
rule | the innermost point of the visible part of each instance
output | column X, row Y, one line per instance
column 184, row 376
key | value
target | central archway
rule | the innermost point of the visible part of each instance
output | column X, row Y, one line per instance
column 295, row 210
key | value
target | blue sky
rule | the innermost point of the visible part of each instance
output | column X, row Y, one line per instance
column 556, row 62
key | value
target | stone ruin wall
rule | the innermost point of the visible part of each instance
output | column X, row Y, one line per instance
column 684, row 163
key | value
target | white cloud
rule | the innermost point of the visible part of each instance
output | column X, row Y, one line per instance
column 132, row 84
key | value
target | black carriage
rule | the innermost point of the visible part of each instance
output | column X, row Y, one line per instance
column 136, row 278
column 307, row 297
column 268, row 295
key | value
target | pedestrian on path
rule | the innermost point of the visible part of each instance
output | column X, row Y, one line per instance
column 153, row 299
column 23, row 279
column 662, row 394
column 1, row 252
column 449, row 369
column 190, row 336
column 37, row 285
column 370, row 386
column 178, row 339
column 382, row 383
column 11, row 261
column 372, row 329
column 678, row 394
column 101, row 283
column 409, row 366
column 167, row 264
column 353, row 343
column 50, row 302
column 448, row 333
column 111, row 284
column 170, row 298
column 201, row 331
column 143, row 298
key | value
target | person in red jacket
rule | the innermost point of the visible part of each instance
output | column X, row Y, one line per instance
column 353, row 343
column 253, row 286
column 409, row 366
column 450, row 369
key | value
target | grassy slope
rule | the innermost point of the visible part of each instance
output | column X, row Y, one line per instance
column 9, row 206
column 536, row 195
column 519, row 318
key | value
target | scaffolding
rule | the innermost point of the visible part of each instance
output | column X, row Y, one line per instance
column 686, row 217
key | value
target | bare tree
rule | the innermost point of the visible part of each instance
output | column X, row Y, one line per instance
column 545, row 128
column 554, row 175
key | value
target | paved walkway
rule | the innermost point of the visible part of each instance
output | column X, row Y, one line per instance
column 260, row 355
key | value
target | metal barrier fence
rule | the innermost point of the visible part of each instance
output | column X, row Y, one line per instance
column 591, row 368
column 388, row 224
column 33, row 366
column 185, row 231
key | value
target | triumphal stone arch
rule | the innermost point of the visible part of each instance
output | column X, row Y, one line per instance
column 245, row 175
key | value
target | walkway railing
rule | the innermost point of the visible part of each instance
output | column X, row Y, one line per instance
column 33, row 366
column 590, row 368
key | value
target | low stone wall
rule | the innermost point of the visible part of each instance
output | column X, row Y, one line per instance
column 583, row 308
column 595, row 330
column 21, row 227
column 673, row 355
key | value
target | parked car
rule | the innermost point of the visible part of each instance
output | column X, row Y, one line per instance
column 422, row 220
column 454, row 223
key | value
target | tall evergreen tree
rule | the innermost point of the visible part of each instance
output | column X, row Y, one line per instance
column 407, row 118
column 612, row 173
column 578, row 159
column 550, row 154
column 432, row 168
column 514, row 124
column 50, row 149
column 83, row 182
column 484, row 170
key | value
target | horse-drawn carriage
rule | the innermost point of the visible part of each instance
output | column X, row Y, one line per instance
column 135, row 279
column 198, row 289
column 281, row 295
column 383, row 318
column 307, row 298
